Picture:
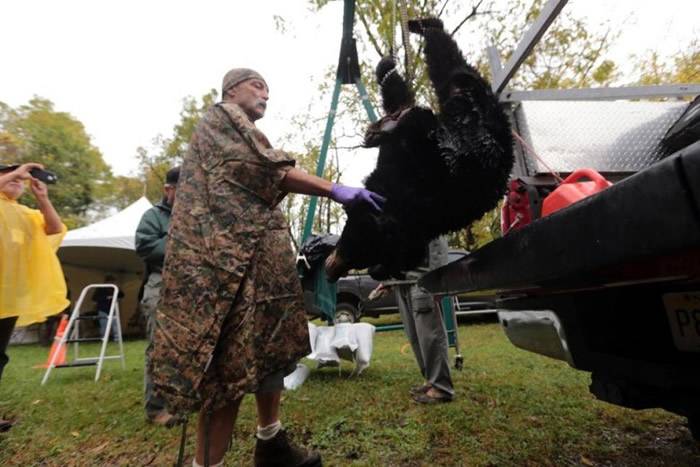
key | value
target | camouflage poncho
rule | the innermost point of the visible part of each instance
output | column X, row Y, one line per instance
column 231, row 309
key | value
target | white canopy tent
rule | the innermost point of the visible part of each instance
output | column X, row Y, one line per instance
column 106, row 247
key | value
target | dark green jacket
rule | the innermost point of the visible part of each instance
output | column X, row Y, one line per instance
column 151, row 235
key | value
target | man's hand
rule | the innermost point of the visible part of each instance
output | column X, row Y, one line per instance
column 52, row 221
column 22, row 172
column 349, row 196
column 41, row 192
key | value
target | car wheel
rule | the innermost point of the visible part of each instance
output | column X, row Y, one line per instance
column 345, row 313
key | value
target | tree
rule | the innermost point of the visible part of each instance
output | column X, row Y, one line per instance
column 121, row 191
column 169, row 151
column 684, row 68
column 295, row 207
column 36, row 132
column 570, row 55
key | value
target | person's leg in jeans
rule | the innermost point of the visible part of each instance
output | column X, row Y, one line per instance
column 432, row 340
column 403, row 300
column 430, row 329
column 102, row 321
column 7, row 325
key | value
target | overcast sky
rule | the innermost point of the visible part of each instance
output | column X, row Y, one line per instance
column 123, row 67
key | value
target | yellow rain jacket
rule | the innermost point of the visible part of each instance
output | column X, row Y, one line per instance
column 32, row 285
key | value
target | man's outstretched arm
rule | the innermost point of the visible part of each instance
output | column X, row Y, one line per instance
column 298, row 181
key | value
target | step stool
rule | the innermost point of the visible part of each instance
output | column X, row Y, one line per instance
column 72, row 335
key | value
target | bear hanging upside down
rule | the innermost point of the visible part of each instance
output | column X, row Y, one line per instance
column 439, row 173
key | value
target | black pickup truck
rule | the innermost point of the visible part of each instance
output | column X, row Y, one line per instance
column 610, row 284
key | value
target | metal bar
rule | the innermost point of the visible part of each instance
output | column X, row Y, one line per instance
column 320, row 167
column 121, row 336
column 348, row 17
column 449, row 321
column 66, row 334
column 494, row 63
column 108, row 330
column 75, row 364
column 549, row 12
column 389, row 327
column 485, row 311
column 631, row 92
column 365, row 100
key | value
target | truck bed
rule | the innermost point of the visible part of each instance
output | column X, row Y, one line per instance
column 644, row 228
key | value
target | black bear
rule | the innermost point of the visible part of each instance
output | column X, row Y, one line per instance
column 439, row 173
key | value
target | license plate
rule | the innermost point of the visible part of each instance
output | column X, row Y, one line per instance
column 683, row 311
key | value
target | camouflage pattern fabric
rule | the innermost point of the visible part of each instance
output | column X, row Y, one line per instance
column 231, row 309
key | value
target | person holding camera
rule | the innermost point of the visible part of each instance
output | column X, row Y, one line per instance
column 32, row 286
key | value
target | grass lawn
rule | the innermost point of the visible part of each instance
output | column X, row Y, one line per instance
column 513, row 408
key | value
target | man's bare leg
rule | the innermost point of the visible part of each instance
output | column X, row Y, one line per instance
column 268, row 407
column 221, row 423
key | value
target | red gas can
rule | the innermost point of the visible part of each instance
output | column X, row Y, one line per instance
column 571, row 190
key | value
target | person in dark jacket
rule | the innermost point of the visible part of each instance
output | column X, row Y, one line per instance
column 151, row 235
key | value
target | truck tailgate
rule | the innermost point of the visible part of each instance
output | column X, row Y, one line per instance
column 650, row 215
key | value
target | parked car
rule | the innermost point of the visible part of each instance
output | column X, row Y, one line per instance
column 353, row 298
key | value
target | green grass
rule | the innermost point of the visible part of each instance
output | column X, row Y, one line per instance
column 513, row 408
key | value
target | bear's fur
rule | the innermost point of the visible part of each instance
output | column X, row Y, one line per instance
column 438, row 173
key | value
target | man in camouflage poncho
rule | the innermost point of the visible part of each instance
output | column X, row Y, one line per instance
column 231, row 319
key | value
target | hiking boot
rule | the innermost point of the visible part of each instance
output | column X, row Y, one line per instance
column 336, row 267
column 433, row 396
column 422, row 389
column 279, row 452
column 5, row 425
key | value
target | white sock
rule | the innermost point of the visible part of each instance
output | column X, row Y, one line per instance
column 270, row 431
column 195, row 464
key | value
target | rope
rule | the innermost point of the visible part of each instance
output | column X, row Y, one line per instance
column 393, row 27
column 532, row 151
column 404, row 33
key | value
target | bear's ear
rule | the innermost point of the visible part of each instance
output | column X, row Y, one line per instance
column 386, row 65
column 396, row 93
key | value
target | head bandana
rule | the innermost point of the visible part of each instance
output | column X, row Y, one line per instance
column 238, row 75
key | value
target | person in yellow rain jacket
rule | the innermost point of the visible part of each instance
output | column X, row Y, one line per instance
column 32, row 286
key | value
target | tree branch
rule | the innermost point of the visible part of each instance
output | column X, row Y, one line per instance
column 595, row 59
column 372, row 40
column 473, row 13
column 442, row 10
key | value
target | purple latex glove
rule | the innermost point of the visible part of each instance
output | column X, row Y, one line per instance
column 349, row 196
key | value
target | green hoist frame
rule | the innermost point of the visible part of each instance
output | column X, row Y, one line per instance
column 348, row 73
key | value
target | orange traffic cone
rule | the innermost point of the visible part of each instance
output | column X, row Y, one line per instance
column 56, row 348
